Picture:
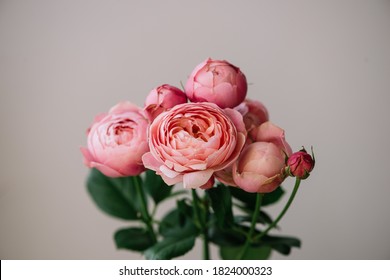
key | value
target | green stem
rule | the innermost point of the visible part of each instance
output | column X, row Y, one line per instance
column 144, row 209
column 275, row 222
column 201, row 223
column 206, row 250
column 259, row 198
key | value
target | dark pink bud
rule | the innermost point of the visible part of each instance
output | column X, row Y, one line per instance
column 300, row 164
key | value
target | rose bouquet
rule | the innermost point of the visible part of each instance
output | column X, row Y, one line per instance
column 222, row 151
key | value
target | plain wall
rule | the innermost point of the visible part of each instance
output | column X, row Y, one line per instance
column 321, row 67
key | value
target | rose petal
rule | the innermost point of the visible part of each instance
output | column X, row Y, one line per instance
column 87, row 156
column 106, row 170
column 196, row 179
column 151, row 162
column 172, row 181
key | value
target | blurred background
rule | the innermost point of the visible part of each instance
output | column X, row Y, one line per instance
column 321, row 67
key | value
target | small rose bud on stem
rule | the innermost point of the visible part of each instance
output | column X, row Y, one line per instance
column 300, row 164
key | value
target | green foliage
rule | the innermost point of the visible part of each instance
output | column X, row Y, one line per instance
column 282, row 244
column 221, row 203
column 170, row 248
column 249, row 199
column 223, row 216
column 114, row 196
column 137, row 239
column 156, row 187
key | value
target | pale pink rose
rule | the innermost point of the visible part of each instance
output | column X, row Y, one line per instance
column 254, row 113
column 191, row 141
column 217, row 81
column 117, row 141
column 162, row 98
column 260, row 167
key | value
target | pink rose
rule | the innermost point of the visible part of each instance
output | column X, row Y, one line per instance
column 117, row 141
column 217, row 81
column 260, row 167
column 162, row 98
column 300, row 164
column 192, row 141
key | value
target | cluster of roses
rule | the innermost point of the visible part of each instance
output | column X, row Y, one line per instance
column 210, row 131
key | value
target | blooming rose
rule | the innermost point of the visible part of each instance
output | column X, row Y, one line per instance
column 162, row 98
column 192, row 141
column 117, row 141
column 217, row 81
column 260, row 167
column 300, row 164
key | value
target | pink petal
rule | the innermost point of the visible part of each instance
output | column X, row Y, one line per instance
column 237, row 119
column 151, row 162
column 209, row 184
column 249, row 181
column 172, row 181
column 108, row 171
column 196, row 179
column 168, row 172
column 87, row 156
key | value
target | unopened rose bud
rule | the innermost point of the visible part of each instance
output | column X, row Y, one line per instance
column 218, row 82
column 300, row 164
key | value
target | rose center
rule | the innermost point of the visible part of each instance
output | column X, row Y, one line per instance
column 121, row 132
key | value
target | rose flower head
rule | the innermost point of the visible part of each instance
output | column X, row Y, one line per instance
column 300, row 164
column 260, row 167
column 191, row 141
column 117, row 141
column 217, row 81
column 163, row 98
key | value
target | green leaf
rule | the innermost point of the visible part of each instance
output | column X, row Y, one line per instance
column 178, row 224
column 249, row 199
column 185, row 210
column 156, row 187
column 170, row 248
column 225, row 237
column 137, row 239
column 272, row 197
column 282, row 244
column 253, row 253
column 221, row 203
column 264, row 218
column 114, row 196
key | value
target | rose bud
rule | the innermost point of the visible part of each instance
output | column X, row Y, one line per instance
column 162, row 98
column 217, row 81
column 192, row 141
column 260, row 167
column 300, row 164
column 117, row 141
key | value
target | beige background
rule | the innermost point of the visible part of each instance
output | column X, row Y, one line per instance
column 321, row 67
